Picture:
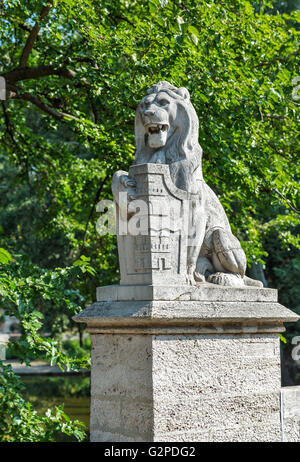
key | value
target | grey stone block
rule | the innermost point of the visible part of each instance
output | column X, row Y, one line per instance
column 174, row 388
column 290, row 413
column 186, row 370
column 203, row 292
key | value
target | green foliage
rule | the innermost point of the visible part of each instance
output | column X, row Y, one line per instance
column 20, row 422
column 89, row 68
column 5, row 256
column 73, row 348
column 30, row 293
column 25, row 290
column 282, row 338
column 68, row 124
column 64, row 387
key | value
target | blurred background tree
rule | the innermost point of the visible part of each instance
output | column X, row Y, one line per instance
column 75, row 72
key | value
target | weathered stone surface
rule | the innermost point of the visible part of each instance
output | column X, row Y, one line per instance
column 180, row 388
column 215, row 396
column 177, row 229
column 184, row 313
column 121, row 388
column 290, row 413
column 204, row 371
column 156, row 250
column 203, row 292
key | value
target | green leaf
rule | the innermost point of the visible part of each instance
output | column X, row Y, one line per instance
column 193, row 31
column 5, row 256
column 194, row 39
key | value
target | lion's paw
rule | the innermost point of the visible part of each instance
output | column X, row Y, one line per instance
column 190, row 280
column 199, row 277
column 252, row 282
column 226, row 279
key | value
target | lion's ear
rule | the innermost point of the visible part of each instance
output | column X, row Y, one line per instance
column 183, row 92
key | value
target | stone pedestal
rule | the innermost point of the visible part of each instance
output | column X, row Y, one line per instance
column 185, row 363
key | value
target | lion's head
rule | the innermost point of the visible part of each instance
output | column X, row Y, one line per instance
column 166, row 131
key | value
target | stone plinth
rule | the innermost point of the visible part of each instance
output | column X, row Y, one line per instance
column 185, row 363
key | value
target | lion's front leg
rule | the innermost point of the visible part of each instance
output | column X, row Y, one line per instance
column 196, row 232
column 190, row 280
column 124, row 191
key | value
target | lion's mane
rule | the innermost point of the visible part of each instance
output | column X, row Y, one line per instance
column 182, row 151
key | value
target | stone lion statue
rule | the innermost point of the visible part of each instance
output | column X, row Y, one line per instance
column 166, row 131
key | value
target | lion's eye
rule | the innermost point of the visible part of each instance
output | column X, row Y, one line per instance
column 163, row 102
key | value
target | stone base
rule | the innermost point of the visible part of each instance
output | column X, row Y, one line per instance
column 202, row 292
column 186, row 370
column 185, row 388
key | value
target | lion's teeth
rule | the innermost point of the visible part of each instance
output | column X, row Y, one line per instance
column 157, row 128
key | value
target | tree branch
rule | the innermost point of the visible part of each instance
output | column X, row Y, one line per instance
column 33, row 35
column 27, row 73
column 36, row 101
column 123, row 18
column 286, row 200
column 8, row 124
column 10, row 131
column 279, row 153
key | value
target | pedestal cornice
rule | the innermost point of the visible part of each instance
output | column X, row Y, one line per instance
column 240, row 313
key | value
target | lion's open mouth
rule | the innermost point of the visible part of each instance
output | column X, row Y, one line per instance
column 157, row 134
column 156, row 128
